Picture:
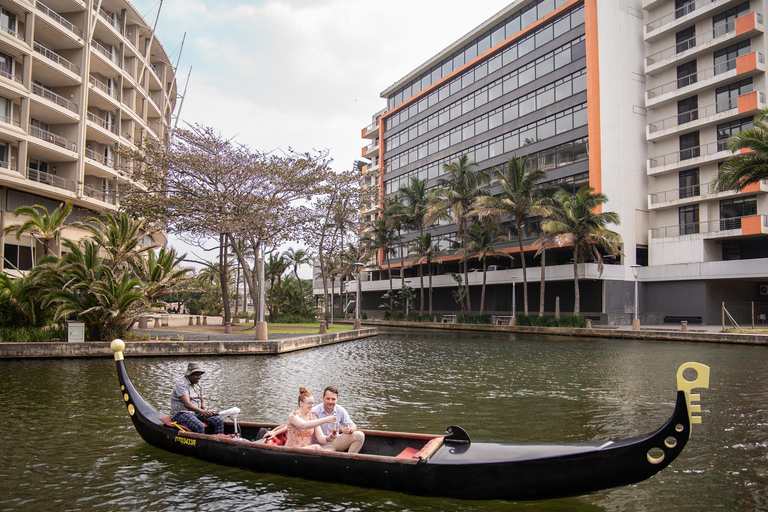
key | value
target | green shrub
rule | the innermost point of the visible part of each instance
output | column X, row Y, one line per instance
column 551, row 321
column 32, row 334
column 294, row 319
column 244, row 315
column 475, row 319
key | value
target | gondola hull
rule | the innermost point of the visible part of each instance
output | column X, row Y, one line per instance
column 456, row 467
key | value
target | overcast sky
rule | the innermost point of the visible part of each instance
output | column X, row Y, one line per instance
column 305, row 74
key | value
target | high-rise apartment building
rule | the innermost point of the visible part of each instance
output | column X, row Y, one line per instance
column 78, row 78
column 635, row 99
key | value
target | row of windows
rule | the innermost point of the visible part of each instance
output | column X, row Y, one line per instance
column 485, row 42
column 558, row 156
column 503, row 85
column 731, row 212
column 533, row 132
column 562, row 25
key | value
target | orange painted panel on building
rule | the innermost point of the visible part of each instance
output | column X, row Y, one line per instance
column 752, row 187
column 745, row 23
column 593, row 97
column 364, row 151
column 748, row 102
column 746, row 63
column 752, row 225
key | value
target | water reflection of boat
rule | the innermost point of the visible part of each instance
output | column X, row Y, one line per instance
column 435, row 465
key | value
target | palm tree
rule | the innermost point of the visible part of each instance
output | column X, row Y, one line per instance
column 274, row 269
column 456, row 194
column 119, row 235
column 415, row 201
column 397, row 217
column 544, row 243
column 576, row 223
column 380, row 236
column 480, row 242
column 744, row 169
column 425, row 251
column 41, row 224
column 296, row 259
column 158, row 273
column 520, row 199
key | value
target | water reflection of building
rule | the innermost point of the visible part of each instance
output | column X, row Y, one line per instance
column 635, row 99
column 77, row 79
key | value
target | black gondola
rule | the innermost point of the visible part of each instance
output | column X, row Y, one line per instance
column 448, row 466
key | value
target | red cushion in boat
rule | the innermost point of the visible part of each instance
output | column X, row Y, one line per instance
column 278, row 440
column 409, row 453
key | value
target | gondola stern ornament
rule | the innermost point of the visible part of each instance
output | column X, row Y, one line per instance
column 117, row 346
column 701, row 382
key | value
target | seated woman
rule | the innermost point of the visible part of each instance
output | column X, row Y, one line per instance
column 302, row 423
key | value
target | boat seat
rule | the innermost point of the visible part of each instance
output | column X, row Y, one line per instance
column 166, row 420
column 425, row 452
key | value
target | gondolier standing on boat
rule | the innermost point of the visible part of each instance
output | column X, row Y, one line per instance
column 188, row 406
column 349, row 438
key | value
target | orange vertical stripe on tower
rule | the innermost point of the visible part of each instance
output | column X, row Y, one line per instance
column 593, row 96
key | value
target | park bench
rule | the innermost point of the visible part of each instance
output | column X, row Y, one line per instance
column 449, row 319
column 503, row 320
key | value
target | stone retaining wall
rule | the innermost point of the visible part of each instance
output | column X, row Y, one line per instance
column 11, row 350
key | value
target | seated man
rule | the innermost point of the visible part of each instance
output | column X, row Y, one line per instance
column 188, row 406
column 349, row 438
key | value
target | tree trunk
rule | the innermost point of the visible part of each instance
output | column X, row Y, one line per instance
column 237, row 290
column 543, row 281
column 482, row 292
column 575, row 280
column 429, row 269
column 223, row 267
column 402, row 271
column 525, row 270
column 466, row 269
column 421, row 288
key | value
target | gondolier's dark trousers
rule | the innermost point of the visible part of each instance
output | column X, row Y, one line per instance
column 196, row 423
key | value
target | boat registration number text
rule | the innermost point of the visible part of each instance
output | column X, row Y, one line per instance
column 184, row 440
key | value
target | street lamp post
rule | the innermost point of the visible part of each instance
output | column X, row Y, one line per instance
column 636, row 320
column 360, row 267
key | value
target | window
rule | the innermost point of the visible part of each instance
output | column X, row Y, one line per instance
column 6, row 110
column 725, row 59
column 683, row 7
column 726, row 97
column 6, row 66
column 687, row 110
column 689, row 183
column 725, row 21
column 686, row 74
column 727, row 130
column 689, row 146
column 18, row 256
column 732, row 210
column 8, row 21
column 689, row 219
column 685, row 39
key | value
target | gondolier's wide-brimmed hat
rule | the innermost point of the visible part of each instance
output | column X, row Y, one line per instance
column 194, row 368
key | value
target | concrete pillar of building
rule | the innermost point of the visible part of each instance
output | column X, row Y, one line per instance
column 261, row 331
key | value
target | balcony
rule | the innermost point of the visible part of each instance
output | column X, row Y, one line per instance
column 52, row 138
column 102, row 123
column 684, row 16
column 371, row 131
column 109, row 91
column 743, row 66
column 109, row 197
column 689, row 158
column 696, row 193
column 710, row 114
column 10, row 121
column 54, row 98
column 50, row 179
column 7, row 165
column 107, row 162
column 61, row 22
column 111, row 19
column 711, row 40
column 111, row 57
column 371, row 149
column 55, row 57
column 12, row 33
column 719, row 228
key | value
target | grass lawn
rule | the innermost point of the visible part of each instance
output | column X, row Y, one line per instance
column 762, row 330
column 308, row 328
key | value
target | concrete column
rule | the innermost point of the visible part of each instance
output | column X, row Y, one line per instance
column 684, row 325
column 635, row 324
column 589, row 323
column 358, row 324
column 205, row 320
column 198, row 322
column 142, row 322
column 191, row 320
column 323, row 328
column 261, row 331
column 157, row 322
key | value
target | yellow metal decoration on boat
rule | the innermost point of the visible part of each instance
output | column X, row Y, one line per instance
column 117, row 347
column 131, row 409
column 701, row 381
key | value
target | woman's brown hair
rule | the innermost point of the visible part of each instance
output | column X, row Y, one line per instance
column 303, row 392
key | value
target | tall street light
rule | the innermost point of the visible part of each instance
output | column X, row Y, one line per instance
column 359, row 267
column 636, row 320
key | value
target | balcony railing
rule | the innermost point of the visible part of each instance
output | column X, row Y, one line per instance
column 50, row 179
column 102, row 122
column 8, row 120
column 57, row 18
column 110, row 19
column 55, row 98
column 101, row 195
column 9, row 76
column 55, row 57
column 110, row 91
column 371, row 127
column 710, row 226
column 688, row 154
column 47, row 136
column 109, row 162
column 693, row 42
column 681, row 193
column 699, row 76
column 371, row 147
column 677, row 13
column 15, row 34
column 8, row 165
column 699, row 113
column 106, row 53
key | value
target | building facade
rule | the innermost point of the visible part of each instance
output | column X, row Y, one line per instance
column 78, row 78
column 635, row 99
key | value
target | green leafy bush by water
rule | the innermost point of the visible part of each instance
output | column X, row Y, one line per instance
column 551, row 321
column 31, row 334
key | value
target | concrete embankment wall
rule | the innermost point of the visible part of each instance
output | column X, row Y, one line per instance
column 663, row 335
column 11, row 350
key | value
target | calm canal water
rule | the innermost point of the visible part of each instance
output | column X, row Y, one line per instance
column 69, row 444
